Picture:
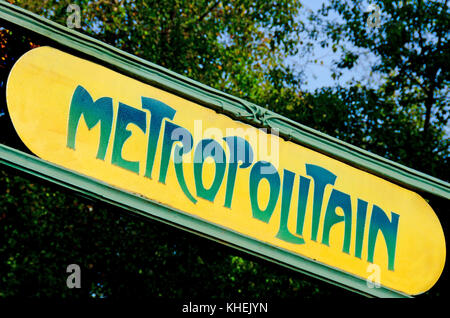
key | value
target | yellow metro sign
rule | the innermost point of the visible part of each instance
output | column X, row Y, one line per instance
column 144, row 140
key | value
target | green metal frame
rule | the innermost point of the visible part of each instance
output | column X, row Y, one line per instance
column 236, row 108
column 96, row 189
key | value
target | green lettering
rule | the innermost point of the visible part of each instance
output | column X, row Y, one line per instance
column 126, row 115
column 322, row 178
column 264, row 170
column 380, row 222
column 100, row 111
column 240, row 150
column 283, row 232
column 341, row 200
column 158, row 111
column 360, row 226
column 204, row 149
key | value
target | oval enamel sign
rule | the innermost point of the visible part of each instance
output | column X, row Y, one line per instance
column 141, row 139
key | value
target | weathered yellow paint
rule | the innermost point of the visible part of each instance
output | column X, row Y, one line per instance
column 39, row 93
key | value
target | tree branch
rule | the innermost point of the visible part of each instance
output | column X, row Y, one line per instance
column 209, row 10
